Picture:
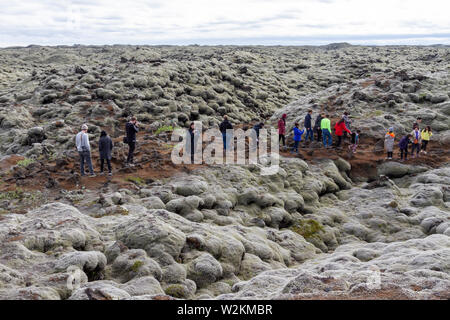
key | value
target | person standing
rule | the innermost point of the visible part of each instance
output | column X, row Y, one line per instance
column 84, row 150
column 105, row 147
column 226, row 136
column 317, row 128
column 297, row 137
column 416, row 139
column 347, row 123
column 325, row 125
column 339, row 129
column 389, row 143
column 354, row 141
column 258, row 127
column 192, row 136
column 131, row 128
column 308, row 127
column 426, row 135
column 403, row 145
column 282, row 129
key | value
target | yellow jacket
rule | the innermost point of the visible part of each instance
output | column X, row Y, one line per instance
column 426, row 135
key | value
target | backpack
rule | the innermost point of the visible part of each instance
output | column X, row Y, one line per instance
column 125, row 139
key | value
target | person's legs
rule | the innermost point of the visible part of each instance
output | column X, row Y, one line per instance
column 131, row 147
column 330, row 138
column 319, row 135
column 81, row 162
column 282, row 139
column 102, row 162
column 415, row 148
column 339, row 141
column 424, row 145
column 192, row 153
column 89, row 162
column 309, row 134
column 108, row 161
column 295, row 147
column 224, row 139
column 324, row 138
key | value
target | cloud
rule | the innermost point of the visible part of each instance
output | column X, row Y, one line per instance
column 52, row 22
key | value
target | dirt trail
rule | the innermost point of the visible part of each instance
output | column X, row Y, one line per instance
column 153, row 163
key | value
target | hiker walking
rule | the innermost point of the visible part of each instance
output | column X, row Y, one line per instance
column 347, row 122
column 354, row 141
column 325, row 125
column 105, row 147
column 192, row 136
column 297, row 137
column 426, row 135
column 227, row 137
column 84, row 150
column 339, row 129
column 389, row 143
column 403, row 145
column 416, row 139
column 131, row 128
column 282, row 129
column 258, row 127
column 308, row 127
column 317, row 127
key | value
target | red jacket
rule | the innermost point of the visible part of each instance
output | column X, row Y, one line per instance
column 281, row 127
column 339, row 129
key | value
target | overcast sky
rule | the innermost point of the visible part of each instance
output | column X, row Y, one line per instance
column 281, row 22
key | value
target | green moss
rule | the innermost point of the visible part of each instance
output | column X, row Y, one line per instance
column 307, row 228
column 16, row 194
column 164, row 129
column 175, row 290
column 136, row 180
column 229, row 282
column 25, row 162
column 136, row 265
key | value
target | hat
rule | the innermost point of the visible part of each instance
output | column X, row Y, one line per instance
column 84, row 127
column 284, row 116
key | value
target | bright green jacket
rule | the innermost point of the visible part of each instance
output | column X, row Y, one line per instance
column 325, row 124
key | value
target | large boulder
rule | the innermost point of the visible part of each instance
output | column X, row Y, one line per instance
column 204, row 270
column 151, row 234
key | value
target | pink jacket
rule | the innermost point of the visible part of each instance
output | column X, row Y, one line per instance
column 282, row 125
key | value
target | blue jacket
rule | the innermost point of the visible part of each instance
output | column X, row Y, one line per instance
column 257, row 128
column 298, row 134
column 403, row 144
column 308, row 121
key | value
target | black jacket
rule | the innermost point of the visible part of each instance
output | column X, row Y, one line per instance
column 105, row 147
column 225, row 125
column 131, row 130
column 317, row 123
column 308, row 121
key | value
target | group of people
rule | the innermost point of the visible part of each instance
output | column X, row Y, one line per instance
column 418, row 139
column 105, row 147
column 322, row 128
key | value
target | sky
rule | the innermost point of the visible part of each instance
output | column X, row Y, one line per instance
column 213, row 22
